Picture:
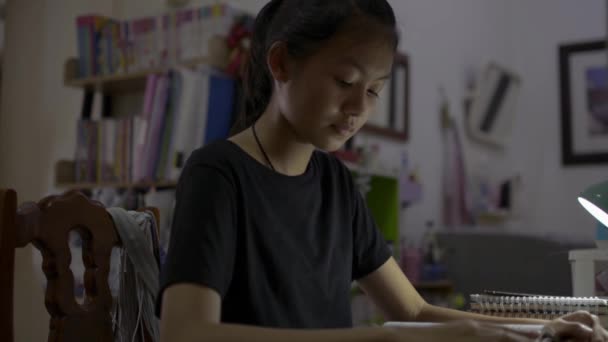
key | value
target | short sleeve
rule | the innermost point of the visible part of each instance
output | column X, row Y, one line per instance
column 203, row 234
column 370, row 250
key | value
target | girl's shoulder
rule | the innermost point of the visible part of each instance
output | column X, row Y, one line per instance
column 330, row 162
column 333, row 168
column 232, row 161
column 217, row 151
column 221, row 155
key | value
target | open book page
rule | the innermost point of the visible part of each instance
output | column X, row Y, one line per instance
column 526, row 328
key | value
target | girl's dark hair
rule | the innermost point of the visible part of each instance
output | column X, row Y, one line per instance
column 302, row 25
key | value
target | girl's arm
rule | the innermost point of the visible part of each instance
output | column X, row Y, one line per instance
column 192, row 313
column 398, row 299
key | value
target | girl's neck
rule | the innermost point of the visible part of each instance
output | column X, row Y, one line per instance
column 287, row 155
column 286, row 152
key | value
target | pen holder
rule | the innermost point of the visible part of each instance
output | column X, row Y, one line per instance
column 411, row 262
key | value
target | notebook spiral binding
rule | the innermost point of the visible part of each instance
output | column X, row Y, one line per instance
column 536, row 305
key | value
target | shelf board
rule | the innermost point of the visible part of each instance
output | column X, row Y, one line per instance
column 113, row 83
column 120, row 185
column 129, row 82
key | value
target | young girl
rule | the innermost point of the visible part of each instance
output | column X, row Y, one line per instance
column 269, row 230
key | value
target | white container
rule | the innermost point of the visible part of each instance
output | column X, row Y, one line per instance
column 586, row 264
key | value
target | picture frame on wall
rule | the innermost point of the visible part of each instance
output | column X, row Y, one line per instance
column 583, row 70
column 494, row 105
column 391, row 119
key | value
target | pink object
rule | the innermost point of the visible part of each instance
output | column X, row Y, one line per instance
column 411, row 263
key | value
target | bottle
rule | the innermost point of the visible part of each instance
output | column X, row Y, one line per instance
column 433, row 269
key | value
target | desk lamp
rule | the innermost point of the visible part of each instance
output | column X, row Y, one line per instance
column 595, row 200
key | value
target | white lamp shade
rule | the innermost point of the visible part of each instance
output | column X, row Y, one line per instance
column 598, row 213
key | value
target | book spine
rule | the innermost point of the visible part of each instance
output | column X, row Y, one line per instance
column 115, row 48
column 80, row 158
column 100, row 46
column 137, row 30
column 83, row 49
column 92, row 143
column 220, row 108
column 129, row 41
column 162, row 36
column 180, row 29
column 121, row 47
column 167, row 130
column 87, row 25
column 205, row 29
column 155, row 128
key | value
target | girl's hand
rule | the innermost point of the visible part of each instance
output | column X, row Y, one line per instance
column 577, row 326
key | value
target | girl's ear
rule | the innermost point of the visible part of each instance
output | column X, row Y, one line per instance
column 277, row 60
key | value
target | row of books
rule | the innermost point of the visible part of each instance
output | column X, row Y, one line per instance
column 109, row 46
column 182, row 110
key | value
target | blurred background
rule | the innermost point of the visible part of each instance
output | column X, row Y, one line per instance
column 493, row 123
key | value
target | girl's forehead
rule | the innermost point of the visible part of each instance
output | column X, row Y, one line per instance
column 369, row 50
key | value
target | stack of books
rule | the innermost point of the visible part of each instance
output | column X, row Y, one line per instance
column 108, row 46
column 182, row 110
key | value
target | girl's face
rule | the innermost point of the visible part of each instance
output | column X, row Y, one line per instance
column 329, row 96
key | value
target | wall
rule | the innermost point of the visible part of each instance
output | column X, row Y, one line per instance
column 22, row 64
column 443, row 39
column 36, row 124
column 536, row 144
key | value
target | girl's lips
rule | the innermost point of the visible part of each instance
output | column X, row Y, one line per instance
column 343, row 129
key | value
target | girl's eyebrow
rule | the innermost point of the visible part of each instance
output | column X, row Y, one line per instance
column 354, row 63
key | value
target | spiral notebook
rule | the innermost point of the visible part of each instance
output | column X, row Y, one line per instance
column 516, row 305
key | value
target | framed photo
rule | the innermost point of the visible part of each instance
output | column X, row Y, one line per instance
column 392, row 117
column 584, row 102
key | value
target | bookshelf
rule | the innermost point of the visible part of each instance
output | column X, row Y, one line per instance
column 118, row 85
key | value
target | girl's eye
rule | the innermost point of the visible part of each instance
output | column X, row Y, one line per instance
column 343, row 83
column 346, row 84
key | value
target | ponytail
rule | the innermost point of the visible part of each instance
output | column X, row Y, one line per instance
column 256, row 79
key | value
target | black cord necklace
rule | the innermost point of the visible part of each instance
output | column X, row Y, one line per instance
column 257, row 140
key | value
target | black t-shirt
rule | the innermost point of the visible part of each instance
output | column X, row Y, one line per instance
column 280, row 250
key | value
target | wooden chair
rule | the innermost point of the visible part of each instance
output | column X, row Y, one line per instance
column 47, row 225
